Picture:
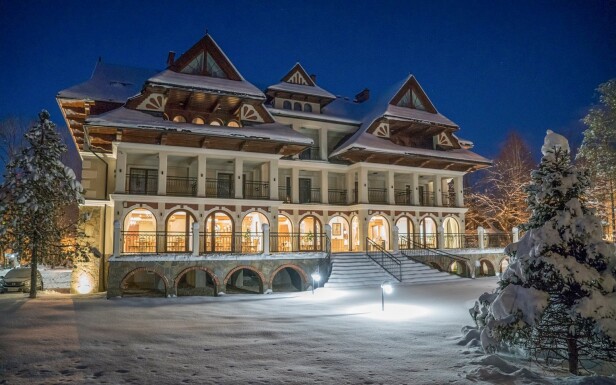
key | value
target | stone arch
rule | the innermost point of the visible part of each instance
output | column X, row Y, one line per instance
column 503, row 264
column 208, row 271
column 265, row 214
column 124, row 282
column 486, row 268
column 246, row 267
column 299, row 270
column 180, row 207
column 463, row 269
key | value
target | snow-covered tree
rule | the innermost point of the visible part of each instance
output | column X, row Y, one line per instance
column 37, row 191
column 598, row 151
column 557, row 298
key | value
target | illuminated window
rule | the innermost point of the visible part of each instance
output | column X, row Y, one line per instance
column 198, row 121
column 179, row 119
column 215, row 122
column 233, row 123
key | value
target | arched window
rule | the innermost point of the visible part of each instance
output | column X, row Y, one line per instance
column 198, row 120
column 451, row 234
column 307, row 107
column 340, row 234
column 378, row 231
column 283, row 240
column 219, row 233
column 233, row 123
column 215, row 122
column 139, row 235
column 309, row 234
column 297, row 106
column 405, row 233
column 252, row 232
column 286, row 105
column 427, row 233
column 178, row 236
column 179, row 119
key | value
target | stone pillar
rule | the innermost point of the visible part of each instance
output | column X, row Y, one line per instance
column 441, row 237
column 195, row 239
column 121, row 173
column 266, row 238
column 201, row 175
column 458, row 185
column 362, row 224
column 363, row 185
column 162, row 173
column 350, row 186
column 328, row 237
column 116, row 238
column 395, row 241
column 515, row 234
column 273, row 179
column 295, row 185
column 438, row 194
column 415, row 189
column 324, row 186
column 323, row 144
column 238, row 170
column 480, row 234
column 391, row 196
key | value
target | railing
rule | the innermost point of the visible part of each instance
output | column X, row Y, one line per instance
column 141, row 184
column 337, row 197
column 355, row 196
column 311, row 153
column 449, row 200
column 419, row 253
column 155, row 242
column 403, row 197
column 231, row 243
column 181, row 186
column 377, row 195
column 388, row 262
column 459, row 241
column 219, row 188
column 284, row 194
column 297, row 242
column 426, row 198
column 429, row 240
column 256, row 190
column 311, row 196
column 497, row 239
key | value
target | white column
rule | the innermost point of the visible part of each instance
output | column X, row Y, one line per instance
column 116, row 238
column 238, row 169
column 195, row 239
column 458, row 185
column 415, row 189
column 391, row 196
column 162, row 173
column 201, row 174
column 350, row 186
column 362, row 216
column 273, row 179
column 295, row 185
column 363, row 185
column 324, row 186
column 121, row 172
column 480, row 234
column 438, row 200
column 323, row 144
column 515, row 234
column 266, row 238
column 395, row 241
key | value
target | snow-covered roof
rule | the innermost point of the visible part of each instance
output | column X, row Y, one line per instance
column 302, row 89
column 125, row 118
column 109, row 82
column 313, row 116
column 169, row 78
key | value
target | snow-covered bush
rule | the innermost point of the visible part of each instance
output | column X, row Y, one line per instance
column 557, row 298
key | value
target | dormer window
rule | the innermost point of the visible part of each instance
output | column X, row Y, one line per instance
column 179, row 119
column 198, row 120
column 215, row 122
column 286, row 105
column 233, row 123
column 297, row 106
column 411, row 100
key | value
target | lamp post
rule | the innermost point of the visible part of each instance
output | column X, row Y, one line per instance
column 315, row 277
column 386, row 288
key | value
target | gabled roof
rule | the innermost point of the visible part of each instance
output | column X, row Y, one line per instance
column 172, row 79
column 109, row 82
column 297, row 81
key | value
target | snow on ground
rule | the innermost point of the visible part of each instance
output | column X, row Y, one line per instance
column 52, row 278
column 331, row 337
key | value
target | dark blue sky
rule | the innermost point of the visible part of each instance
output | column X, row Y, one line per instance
column 490, row 68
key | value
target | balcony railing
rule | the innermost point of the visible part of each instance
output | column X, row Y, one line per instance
column 312, row 195
column 256, row 190
column 337, row 197
column 181, row 186
column 449, row 200
column 426, row 198
column 497, row 239
column 155, row 242
column 284, row 194
column 297, row 242
column 311, row 153
column 141, row 184
column 403, row 197
column 377, row 195
column 219, row 188
column 230, row 243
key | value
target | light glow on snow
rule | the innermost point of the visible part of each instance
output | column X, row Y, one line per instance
column 393, row 312
column 84, row 285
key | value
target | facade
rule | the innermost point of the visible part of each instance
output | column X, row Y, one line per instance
column 198, row 182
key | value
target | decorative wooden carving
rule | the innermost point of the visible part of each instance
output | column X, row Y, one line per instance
column 154, row 102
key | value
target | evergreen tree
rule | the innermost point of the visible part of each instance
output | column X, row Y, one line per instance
column 36, row 193
column 557, row 298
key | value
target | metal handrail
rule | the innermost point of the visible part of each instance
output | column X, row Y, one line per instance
column 181, row 186
column 142, row 184
column 219, row 188
column 297, row 242
column 337, row 196
column 313, row 197
column 256, row 190
column 311, row 153
column 377, row 195
column 419, row 249
column 383, row 258
column 231, row 243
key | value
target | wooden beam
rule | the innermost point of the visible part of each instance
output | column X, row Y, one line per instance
column 422, row 164
column 243, row 145
column 204, row 143
column 280, row 148
column 448, row 166
column 398, row 161
column 163, row 139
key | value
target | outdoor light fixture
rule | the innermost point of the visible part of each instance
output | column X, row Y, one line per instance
column 386, row 288
column 316, row 277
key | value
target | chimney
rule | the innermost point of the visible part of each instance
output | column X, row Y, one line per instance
column 170, row 58
column 314, row 78
column 362, row 96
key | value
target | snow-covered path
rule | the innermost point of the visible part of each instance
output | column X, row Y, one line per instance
column 332, row 337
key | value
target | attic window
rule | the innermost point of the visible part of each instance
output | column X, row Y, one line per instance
column 213, row 69
column 215, row 122
column 233, row 123
column 195, row 67
column 198, row 120
column 417, row 102
column 411, row 100
column 179, row 119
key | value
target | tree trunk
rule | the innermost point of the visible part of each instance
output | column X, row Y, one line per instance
column 33, row 269
column 572, row 349
column 613, row 210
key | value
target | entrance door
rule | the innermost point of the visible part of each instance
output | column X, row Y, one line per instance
column 224, row 186
column 305, row 186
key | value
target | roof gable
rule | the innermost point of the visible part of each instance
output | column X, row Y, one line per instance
column 205, row 58
column 411, row 95
column 298, row 75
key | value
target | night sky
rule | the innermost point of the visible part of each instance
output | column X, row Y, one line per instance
column 490, row 68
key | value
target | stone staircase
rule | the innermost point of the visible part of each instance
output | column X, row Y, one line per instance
column 358, row 270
